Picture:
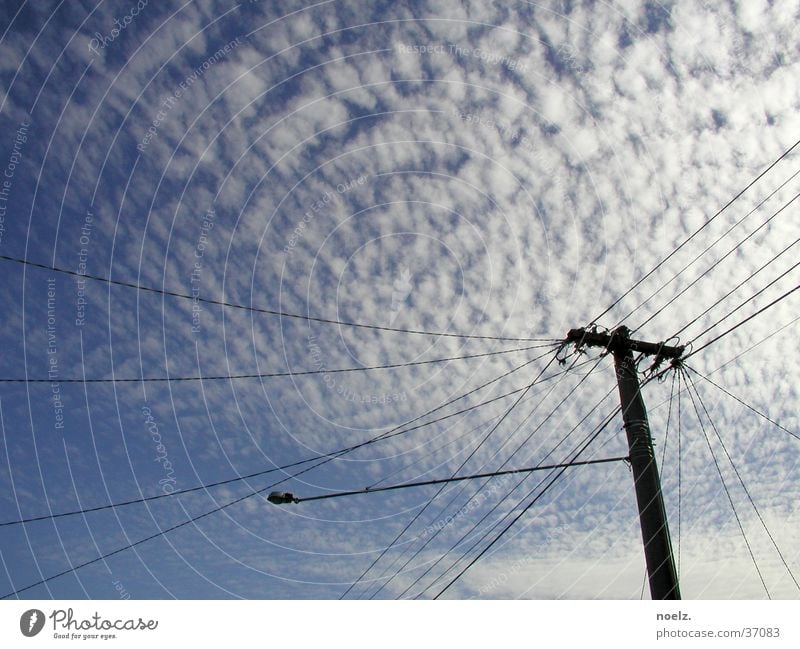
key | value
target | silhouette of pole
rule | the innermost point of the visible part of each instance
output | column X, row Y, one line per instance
column 661, row 571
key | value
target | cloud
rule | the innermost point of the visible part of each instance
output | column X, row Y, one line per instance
column 475, row 168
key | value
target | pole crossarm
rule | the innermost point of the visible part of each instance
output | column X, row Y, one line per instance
column 619, row 340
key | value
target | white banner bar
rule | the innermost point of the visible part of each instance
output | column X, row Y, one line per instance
column 379, row 625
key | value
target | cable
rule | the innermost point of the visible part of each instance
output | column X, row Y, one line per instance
column 725, row 487
column 331, row 455
column 254, row 309
column 740, row 284
column 510, row 492
column 476, row 476
column 461, row 466
column 746, row 405
column 754, row 345
column 394, row 542
column 486, row 515
column 719, row 261
column 741, row 481
column 193, row 519
column 522, row 512
column 709, row 247
column 433, row 452
column 480, row 489
column 750, row 299
column 150, row 379
column 103, row 557
column 750, row 317
column 606, row 420
column 696, row 232
column 515, row 487
column 586, row 441
column 669, row 417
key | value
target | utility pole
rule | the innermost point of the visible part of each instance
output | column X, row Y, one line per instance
column 652, row 515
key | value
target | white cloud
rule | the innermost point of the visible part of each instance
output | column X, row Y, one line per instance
column 500, row 201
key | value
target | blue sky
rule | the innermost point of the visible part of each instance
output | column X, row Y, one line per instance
column 481, row 168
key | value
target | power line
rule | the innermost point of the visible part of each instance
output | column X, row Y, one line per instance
column 745, row 404
column 669, row 418
column 663, row 460
column 696, row 232
column 748, row 300
column 590, row 437
column 520, row 446
column 604, row 423
column 151, row 379
column 476, row 476
column 398, row 430
column 219, row 508
column 760, row 342
column 736, row 326
column 740, row 284
column 680, row 465
column 709, row 247
column 463, row 538
column 472, row 453
column 439, row 448
column 714, row 265
column 725, row 486
column 283, row 314
column 522, row 512
column 103, row 557
column 478, row 491
column 431, row 453
column 741, row 481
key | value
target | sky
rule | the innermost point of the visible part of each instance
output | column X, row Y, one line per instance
column 501, row 172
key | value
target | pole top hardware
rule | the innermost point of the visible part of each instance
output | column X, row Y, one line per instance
column 619, row 340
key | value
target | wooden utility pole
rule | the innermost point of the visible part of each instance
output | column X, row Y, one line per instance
column 652, row 515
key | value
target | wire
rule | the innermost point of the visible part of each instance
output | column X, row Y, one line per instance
column 524, row 510
column 398, row 430
column 709, row 247
column 219, row 508
column 606, row 420
column 696, row 232
column 750, row 299
column 433, row 452
column 254, row 309
column 510, row 492
column 476, row 476
column 461, row 466
column 103, row 557
column 725, row 487
column 715, row 264
column 741, row 481
column 740, row 284
column 486, row 515
column 754, row 345
column 736, row 326
column 480, row 489
column 150, row 379
column 745, row 404
column 590, row 437
column 669, row 417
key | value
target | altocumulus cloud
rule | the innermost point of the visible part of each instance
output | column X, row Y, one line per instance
column 480, row 168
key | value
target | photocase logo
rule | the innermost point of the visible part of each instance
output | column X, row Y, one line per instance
column 31, row 622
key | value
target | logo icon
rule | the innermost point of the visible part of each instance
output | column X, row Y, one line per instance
column 31, row 622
